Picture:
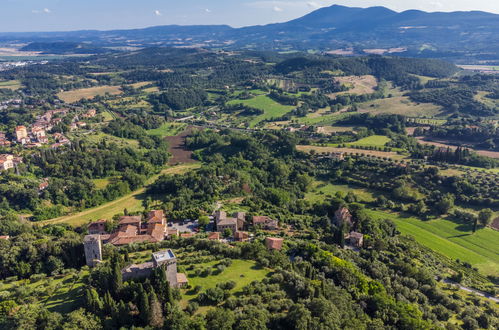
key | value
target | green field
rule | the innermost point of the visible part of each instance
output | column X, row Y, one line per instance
column 101, row 183
column 167, row 129
column 271, row 108
column 454, row 240
column 243, row 272
column 321, row 190
column 122, row 142
column 372, row 141
column 10, row 84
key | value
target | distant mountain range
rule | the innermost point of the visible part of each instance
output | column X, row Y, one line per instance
column 337, row 29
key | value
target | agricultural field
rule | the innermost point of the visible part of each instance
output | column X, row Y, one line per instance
column 481, row 96
column 271, row 108
column 88, row 93
column 452, row 239
column 357, row 84
column 372, row 141
column 446, row 144
column 318, row 150
column 243, row 272
column 10, row 84
column 400, row 105
column 321, row 190
column 167, row 129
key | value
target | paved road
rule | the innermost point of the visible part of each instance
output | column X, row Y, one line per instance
column 477, row 292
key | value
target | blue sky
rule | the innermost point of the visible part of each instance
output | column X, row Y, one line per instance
column 63, row 15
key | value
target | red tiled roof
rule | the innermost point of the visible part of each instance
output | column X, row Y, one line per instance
column 274, row 243
column 214, row 236
column 241, row 235
column 125, row 220
column 260, row 219
column 156, row 230
column 186, row 235
column 156, row 216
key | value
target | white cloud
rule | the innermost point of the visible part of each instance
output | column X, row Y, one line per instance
column 207, row 10
column 157, row 13
column 277, row 9
column 437, row 4
column 313, row 4
column 43, row 11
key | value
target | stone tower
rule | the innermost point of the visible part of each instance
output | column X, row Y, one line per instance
column 93, row 249
column 167, row 258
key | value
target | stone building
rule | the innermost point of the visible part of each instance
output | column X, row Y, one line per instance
column 93, row 249
column 343, row 216
column 166, row 259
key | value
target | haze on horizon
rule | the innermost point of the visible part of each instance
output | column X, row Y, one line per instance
column 67, row 15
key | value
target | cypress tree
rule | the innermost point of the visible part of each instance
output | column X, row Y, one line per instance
column 155, row 316
column 143, row 305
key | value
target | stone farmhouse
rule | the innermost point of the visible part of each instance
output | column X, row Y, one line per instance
column 265, row 222
column 235, row 223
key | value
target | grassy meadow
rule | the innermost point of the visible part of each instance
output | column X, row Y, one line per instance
column 452, row 239
column 167, row 129
column 271, row 108
column 88, row 93
column 243, row 272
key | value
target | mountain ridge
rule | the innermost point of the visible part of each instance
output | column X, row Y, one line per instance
column 420, row 33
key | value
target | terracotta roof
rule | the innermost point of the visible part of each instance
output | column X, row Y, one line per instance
column 274, row 243
column 97, row 223
column 260, row 219
column 181, row 278
column 5, row 237
column 241, row 235
column 186, row 235
column 227, row 221
column 214, row 236
column 156, row 216
column 156, row 230
column 125, row 240
column 124, row 220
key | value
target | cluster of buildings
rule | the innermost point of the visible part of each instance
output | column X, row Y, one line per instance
column 237, row 222
column 8, row 161
column 131, row 229
column 36, row 135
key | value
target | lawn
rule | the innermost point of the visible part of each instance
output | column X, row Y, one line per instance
column 101, row 183
column 167, row 129
column 132, row 202
column 88, row 93
column 372, row 141
column 243, row 272
column 10, row 84
column 271, row 108
column 321, row 190
column 452, row 239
